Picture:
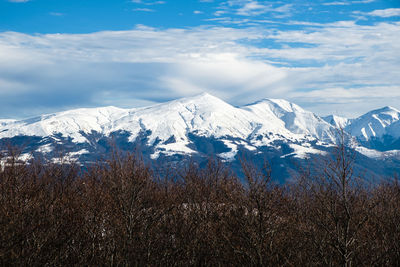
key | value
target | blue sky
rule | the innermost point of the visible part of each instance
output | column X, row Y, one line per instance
column 332, row 56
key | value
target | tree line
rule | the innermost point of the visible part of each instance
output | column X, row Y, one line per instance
column 120, row 212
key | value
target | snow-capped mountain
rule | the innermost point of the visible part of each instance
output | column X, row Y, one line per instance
column 203, row 115
column 376, row 124
column 295, row 119
column 378, row 129
column 69, row 123
column 198, row 126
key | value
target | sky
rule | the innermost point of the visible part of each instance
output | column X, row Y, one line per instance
column 330, row 57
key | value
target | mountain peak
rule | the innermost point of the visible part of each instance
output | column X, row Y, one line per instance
column 202, row 97
column 278, row 105
column 376, row 123
column 204, row 100
column 286, row 105
column 337, row 121
column 205, row 94
column 386, row 109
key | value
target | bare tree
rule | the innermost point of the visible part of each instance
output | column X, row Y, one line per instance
column 335, row 207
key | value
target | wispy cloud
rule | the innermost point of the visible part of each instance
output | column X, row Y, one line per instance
column 319, row 67
column 18, row 1
column 385, row 13
column 56, row 14
column 344, row 101
column 346, row 3
column 380, row 13
column 363, row 1
column 253, row 8
column 143, row 9
column 148, row 3
column 337, row 3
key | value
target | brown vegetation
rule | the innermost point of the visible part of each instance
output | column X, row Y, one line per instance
column 119, row 213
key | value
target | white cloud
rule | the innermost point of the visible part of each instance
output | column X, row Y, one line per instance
column 337, row 65
column 220, row 12
column 252, row 8
column 337, row 3
column 348, row 102
column 148, row 3
column 385, row 13
column 18, row 1
column 346, row 3
column 340, row 41
column 223, row 74
column 363, row 1
column 56, row 14
column 143, row 9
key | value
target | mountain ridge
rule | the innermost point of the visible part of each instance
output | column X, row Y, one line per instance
column 375, row 124
column 200, row 126
column 204, row 114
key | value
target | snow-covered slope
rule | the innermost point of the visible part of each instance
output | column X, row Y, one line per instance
column 337, row 121
column 376, row 124
column 68, row 123
column 5, row 122
column 294, row 118
column 204, row 115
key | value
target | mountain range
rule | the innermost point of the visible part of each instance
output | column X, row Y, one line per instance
column 198, row 127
